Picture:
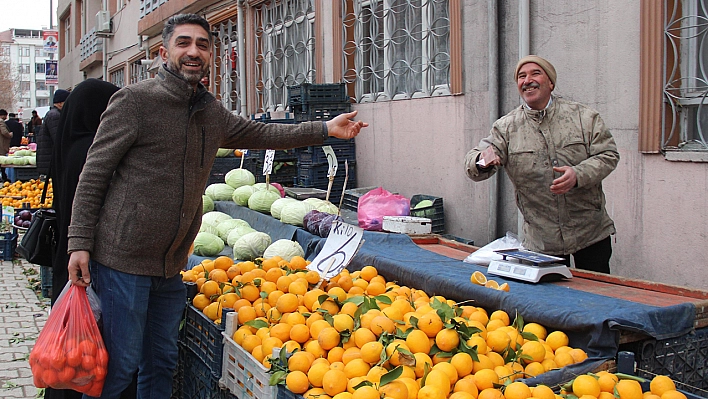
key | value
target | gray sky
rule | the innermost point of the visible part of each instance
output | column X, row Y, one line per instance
column 26, row 14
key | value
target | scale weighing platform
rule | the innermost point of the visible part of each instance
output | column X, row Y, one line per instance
column 537, row 266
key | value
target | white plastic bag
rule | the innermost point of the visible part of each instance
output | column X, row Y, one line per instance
column 486, row 254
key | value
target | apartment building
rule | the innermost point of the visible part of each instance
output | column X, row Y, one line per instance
column 431, row 76
column 25, row 52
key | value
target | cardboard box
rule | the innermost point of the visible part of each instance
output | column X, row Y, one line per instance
column 407, row 224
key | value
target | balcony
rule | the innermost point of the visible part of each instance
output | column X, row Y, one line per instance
column 154, row 13
column 91, row 50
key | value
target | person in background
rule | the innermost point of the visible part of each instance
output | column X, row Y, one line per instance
column 35, row 123
column 45, row 136
column 15, row 126
column 5, row 137
column 137, row 240
column 556, row 153
column 76, row 129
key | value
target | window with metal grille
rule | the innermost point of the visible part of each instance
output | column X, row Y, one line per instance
column 117, row 77
column 138, row 72
column 285, row 49
column 396, row 49
column 685, row 76
column 226, row 77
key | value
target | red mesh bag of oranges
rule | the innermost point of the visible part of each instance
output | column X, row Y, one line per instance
column 69, row 353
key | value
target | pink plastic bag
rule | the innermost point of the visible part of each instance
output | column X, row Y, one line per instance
column 376, row 204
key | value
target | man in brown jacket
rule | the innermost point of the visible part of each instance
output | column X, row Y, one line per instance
column 138, row 204
column 556, row 153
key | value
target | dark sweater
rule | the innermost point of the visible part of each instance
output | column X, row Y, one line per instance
column 138, row 204
column 17, row 130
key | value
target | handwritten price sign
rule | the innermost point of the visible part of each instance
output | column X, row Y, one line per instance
column 268, row 162
column 342, row 244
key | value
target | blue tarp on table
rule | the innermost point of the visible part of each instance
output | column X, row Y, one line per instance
column 591, row 321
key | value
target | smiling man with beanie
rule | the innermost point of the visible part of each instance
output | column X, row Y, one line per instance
column 556, row 153
column 45, row 136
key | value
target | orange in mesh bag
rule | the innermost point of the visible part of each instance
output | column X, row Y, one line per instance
column 69, row 353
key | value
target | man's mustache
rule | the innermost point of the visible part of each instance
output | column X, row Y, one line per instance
column 532, row 85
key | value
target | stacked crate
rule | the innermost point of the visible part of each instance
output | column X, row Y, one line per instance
column 284, row 169
column 322, row 102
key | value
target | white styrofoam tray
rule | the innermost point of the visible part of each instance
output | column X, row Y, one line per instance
column 407, row 224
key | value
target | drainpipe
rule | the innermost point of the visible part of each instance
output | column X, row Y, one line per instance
column 493, row 77
column 524, row 50
column 241, row 59
column 105, row 48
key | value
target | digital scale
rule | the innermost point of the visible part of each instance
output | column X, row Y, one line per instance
column 528, row 266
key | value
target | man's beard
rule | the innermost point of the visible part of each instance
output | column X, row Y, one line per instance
column 193, row 77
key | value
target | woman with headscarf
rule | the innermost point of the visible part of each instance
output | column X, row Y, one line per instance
column 78, row 123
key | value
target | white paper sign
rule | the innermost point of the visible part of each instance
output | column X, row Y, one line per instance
column 339, row 249
column 268, row 162
column 331, row 160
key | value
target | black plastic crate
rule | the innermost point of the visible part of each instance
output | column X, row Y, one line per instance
column 280, row 155
column 203, row 337
column 285, row 393
column 319, row 112
column 45, row 277
column 684, row 359
column 284, row 172
column 309, row 93
column 26, row 174
column 434, row 212
column 8, row 243
column 266, row 118
column 351, row 197
column 196, row 380
column 316, row 175
column 314, row 155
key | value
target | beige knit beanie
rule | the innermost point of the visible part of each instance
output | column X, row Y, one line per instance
column 543, row 63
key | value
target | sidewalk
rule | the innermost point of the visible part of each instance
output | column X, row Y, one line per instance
column 22, row 316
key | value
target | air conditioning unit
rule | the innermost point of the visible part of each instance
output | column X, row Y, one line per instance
column 103, row 22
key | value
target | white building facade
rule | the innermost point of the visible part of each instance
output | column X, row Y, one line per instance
column 25, row 50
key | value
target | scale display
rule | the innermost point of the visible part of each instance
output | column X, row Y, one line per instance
column 541, row 268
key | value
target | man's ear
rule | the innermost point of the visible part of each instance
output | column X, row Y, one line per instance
column 163, row 53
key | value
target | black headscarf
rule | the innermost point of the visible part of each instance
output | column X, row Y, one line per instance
column 78, row 124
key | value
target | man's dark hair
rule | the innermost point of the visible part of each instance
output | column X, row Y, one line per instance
column 3, row 112
column 183, row 19
column 12, row 115
column 34, row 112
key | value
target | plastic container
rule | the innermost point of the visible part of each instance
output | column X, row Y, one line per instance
column 8, row 243
column 194, row 380
column 309, row 93
column 203, row 337
column 302, row 193
column 243, row 375
column 406, row 224
column 314, row 155
column 319, row 112
column 434, row 212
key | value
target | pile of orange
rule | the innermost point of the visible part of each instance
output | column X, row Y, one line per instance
column 359, row 336
column 21, row 194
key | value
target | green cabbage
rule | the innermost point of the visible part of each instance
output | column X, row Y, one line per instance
column 242, row 194
column 32, row 160
column 207, row 204
column 238, row 232
column 209, row 229
column 213, row 218
column 251, row 246
column 239, row 177
column 226, row 226
column 327, row 207
column 423, row 204
column 286, row 249
column 207, row 244
column 294, row 212
column 219, row 192
column 313, row 200
column 223, row 152
column 278, row 205
column 261, row 201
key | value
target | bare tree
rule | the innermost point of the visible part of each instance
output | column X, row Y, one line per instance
column 9, row 85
